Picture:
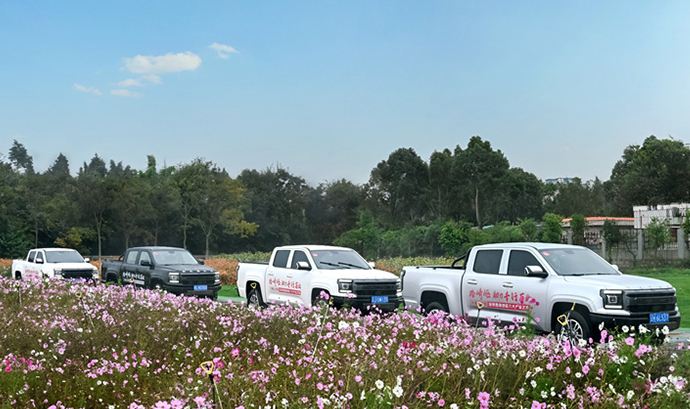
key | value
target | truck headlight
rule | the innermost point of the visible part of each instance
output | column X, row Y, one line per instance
column 613, row 299
column 174, row 278
column 217, row 277
column 345, row 286
column 94, row 273
column 57, row 272
column 398, row 285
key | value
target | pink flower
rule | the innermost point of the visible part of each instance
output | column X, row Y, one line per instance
column 441, row 402
column 484, row 398
column 630, row 340
column 538, row 405
column 200, row 400
column 9, row 368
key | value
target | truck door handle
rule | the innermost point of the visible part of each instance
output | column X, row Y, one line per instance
column 472, row 281
column 270, row 274
column 289, row 276
column 508, row 284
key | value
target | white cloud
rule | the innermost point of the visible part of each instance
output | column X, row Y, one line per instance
column 89, row 90
column 125, row 93
column 17, row 136
column 152, row 78
column 161, row 64
column 130, row 83
column 223, row 50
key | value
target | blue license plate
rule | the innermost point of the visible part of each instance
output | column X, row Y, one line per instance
column 379, row 300
column 200, row 287
column 658, row 317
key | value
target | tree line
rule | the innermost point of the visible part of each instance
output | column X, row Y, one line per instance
column 408, row 207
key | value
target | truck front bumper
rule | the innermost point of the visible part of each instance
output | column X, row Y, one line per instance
column 365, row 303
column 181, row 289
column 611, row 321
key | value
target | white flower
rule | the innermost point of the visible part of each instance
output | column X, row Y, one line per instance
column 397, row 391
column 522, row 354
column 453, row 406
column 343, row 324
column 379, row 384
column 664, row 330
column 533, row 383
column 643, row 329
column 630, row 395
column 625, row 328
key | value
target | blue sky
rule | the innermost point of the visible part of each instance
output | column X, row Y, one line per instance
column 329, row 89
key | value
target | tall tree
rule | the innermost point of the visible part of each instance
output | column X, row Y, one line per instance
column 654, row 173
column 402, row 182
column 20, row 158
column 95, row 196
column 481, row 168
column 277, row 203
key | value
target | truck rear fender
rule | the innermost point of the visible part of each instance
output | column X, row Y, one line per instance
column 251, row 284
column 431, row 296
column 562, row 307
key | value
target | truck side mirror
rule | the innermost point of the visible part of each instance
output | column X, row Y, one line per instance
column 200, row 261
column 303, row 265
column 535, row 271
column 86, row 260
column 39, row 260
column 146, row 263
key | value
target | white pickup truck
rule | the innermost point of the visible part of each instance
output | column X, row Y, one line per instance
column 299, row 274
column 504, row 282
column 53, row 263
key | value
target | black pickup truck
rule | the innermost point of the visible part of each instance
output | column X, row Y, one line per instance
column 165, row 268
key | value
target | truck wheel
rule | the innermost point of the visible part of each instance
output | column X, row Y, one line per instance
column 577, row 328
column 436, row 307
column 254, row 299
column 156, row 285
column 18, row 275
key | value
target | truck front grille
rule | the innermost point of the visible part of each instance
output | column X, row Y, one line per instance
column 374, row 287
column 649, row 301
column 77, row 273
column 196, row 279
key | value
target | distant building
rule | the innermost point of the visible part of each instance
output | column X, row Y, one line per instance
column 674, row 213
column 595, row 226
column 558, row 180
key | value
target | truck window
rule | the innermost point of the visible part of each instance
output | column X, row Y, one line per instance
column 298, row 256
column 519, row 259
column 487, row 261
column 281, row 258
column 144, row 256
column 32, row 256
column 131, row 257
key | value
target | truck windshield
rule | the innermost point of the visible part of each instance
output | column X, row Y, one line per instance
column 577, row 262
column 173, row 257
column 339, row 259
column 63, row 256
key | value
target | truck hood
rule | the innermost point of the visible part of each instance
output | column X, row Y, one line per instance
column 360, row 274
column 188, row 268
column 73, row 266
column 617, row 281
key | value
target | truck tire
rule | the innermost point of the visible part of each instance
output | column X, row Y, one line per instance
column 435, row 307
column 254, row 299
column 578, row 328
column 17, row 275
column 156, row 285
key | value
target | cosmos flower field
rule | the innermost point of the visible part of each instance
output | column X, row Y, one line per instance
column 73, row 345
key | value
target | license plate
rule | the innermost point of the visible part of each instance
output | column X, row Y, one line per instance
column 379, row 300
column 658, row 317
column 200, row 287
